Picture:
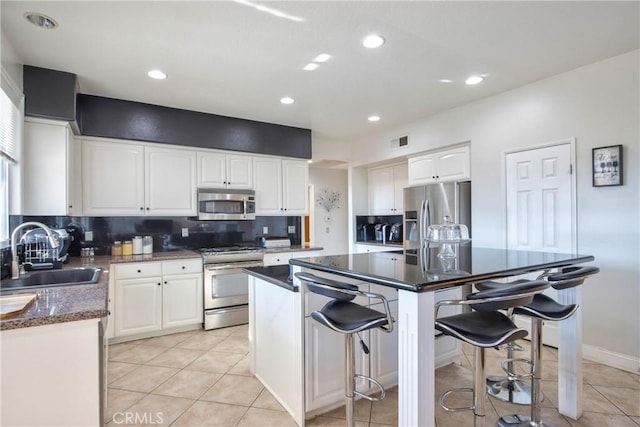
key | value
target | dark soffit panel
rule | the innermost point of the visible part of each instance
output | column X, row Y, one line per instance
column 115, row 118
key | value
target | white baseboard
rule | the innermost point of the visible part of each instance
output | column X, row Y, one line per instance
column 589, row 352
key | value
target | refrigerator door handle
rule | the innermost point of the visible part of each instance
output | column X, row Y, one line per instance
column 423, row 223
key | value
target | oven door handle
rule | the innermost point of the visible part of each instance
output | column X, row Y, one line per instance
column 231, row 268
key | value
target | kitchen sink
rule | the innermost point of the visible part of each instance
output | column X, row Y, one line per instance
column 47, row 278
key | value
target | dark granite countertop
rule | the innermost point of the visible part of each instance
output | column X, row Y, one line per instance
column 294, row 248
column 397, row 245
column 276, row 274
column 421, row 270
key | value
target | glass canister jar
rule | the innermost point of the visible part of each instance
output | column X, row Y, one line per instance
column 147, row 245
column 116, row 248
column 137, row 245
column 127, row 248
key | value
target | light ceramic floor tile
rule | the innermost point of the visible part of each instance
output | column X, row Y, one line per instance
column 242, row 367
column 115, row 350
column 118, row 369
column 144, row 378
column 235, row 390
column 188, row 384
column 636, row 420
column 176, row 357
column 266, row 401
column 597, row 374
column 158, row 410
column 215, row 361
column 170, row 340
column 386, row 410
column 138, row 354
column 233, row 344
column 203, row 341
column 627, row 399
column 361, row 411
column 323, row 421
column 205, row 414
column 266, row 418
column 595, row 419
column 241, row 331
column 119, row 400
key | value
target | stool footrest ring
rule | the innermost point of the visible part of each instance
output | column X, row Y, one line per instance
column 458, row 409
column 376, row 383
column 512, row 376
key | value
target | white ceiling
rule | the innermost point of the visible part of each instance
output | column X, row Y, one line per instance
column 230, row 59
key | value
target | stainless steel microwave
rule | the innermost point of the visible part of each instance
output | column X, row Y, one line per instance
column 221, row 204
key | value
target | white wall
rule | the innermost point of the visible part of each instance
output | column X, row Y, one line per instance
column 599, row 106
column 335, row 241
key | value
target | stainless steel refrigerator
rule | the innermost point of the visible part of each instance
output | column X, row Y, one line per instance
column 429, row 204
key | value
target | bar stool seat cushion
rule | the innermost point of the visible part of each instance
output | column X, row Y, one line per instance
column 546, row 308
column 481, row 328
column 348, row 316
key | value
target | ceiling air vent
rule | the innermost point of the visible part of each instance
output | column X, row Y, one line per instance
column 400, row 142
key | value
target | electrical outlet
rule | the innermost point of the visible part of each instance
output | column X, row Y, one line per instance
column 185, row 232
column 265, row 230
column 292, row 229
column 88, row 236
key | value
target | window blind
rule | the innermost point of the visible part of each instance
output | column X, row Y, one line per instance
column 9, row 123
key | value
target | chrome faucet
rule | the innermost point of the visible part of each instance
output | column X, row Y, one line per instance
column 53, row 242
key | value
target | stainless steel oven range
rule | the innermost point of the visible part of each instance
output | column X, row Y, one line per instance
column 226, row 287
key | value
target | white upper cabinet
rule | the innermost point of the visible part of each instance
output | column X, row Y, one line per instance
column 121, row 178
column 49, row 184
column 170, row 184
column 386, row 187
column 281, row 186
column 219, row 170
column 449, row 165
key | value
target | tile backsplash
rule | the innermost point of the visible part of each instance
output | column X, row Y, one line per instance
column 167, row 232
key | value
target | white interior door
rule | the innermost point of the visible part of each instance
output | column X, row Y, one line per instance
column 541, row 206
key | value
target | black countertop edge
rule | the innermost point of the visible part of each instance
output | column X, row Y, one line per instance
column 276, row 274
column 398, row 245
column 441, row 284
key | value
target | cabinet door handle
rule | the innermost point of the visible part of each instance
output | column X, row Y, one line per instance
column 183, row 267
column 147, row 208
column 139, row 271
column 165, row 282
column 159, row 283
column 141, row 208
column 70, row 206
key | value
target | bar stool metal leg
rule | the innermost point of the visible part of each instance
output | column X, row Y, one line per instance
column 479, row 389
column 534, row 420
column 349, row 377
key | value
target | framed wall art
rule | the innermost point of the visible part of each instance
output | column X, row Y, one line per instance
column 607, row 166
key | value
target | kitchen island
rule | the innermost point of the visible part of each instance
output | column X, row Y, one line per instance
column 416, row 276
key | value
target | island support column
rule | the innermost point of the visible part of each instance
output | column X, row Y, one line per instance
column 570, row 356
column 416, row 359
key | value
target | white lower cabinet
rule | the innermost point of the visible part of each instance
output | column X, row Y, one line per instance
column 151, row 297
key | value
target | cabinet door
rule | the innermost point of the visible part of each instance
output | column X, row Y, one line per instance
column 454, row 165
column 211, row 170
column 384, row 350
column 138, row 305
column 381, row 191
column 182, row 300
column 45, row 164
column 324, row 364
column 295, row 194
column 400, row 181
column 112, row 178
column 267, row 177
column 422, row 170
column 239, row 172
column 170, row 182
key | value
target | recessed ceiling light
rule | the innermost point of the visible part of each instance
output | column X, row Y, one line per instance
column 323, row 57
column 374, row 118
column 40, row 20
column 373, row 41
column 445, row 81
column 474, row 80
column 287, row 100
column 157, row 74
column 311, row 66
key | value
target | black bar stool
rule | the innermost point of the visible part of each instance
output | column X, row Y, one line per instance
column 545, row 308
column 483, row 328
column 348, row 318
